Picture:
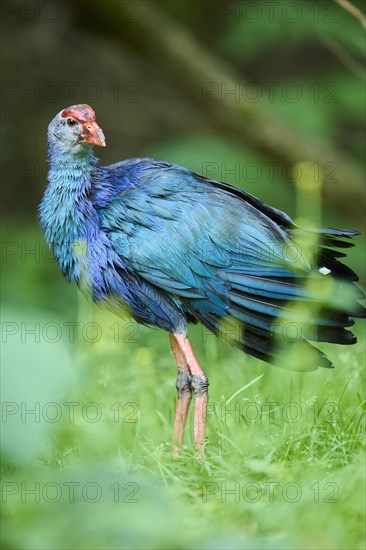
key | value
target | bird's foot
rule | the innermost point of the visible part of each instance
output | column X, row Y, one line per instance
column 184, row 390
column 191, row 379
column 200, row 391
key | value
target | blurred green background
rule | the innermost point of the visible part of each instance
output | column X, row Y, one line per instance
column 241, row 92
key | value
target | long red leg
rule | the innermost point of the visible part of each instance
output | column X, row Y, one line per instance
column 199, row 385
column 184, row 390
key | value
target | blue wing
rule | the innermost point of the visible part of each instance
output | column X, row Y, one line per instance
column 218, row 251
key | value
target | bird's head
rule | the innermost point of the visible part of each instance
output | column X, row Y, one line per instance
column 74, row 129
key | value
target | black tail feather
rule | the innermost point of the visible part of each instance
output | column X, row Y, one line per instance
column 263, row 307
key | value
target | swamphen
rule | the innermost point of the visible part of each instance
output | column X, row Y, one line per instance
column 172, row 247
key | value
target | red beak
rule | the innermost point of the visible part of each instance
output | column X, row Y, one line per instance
column 93, row 134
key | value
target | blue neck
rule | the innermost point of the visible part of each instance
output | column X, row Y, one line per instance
column 67, row 215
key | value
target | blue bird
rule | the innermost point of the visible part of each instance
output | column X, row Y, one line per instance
column 171, row 247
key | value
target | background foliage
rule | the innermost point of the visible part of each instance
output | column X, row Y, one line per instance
column 240, row 91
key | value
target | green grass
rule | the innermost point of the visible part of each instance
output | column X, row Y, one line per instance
column 284, row 464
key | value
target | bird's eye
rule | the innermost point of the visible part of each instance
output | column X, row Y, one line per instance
column 71, row 122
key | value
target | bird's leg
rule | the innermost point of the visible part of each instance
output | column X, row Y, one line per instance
column 184, row 390
column 199, row 385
